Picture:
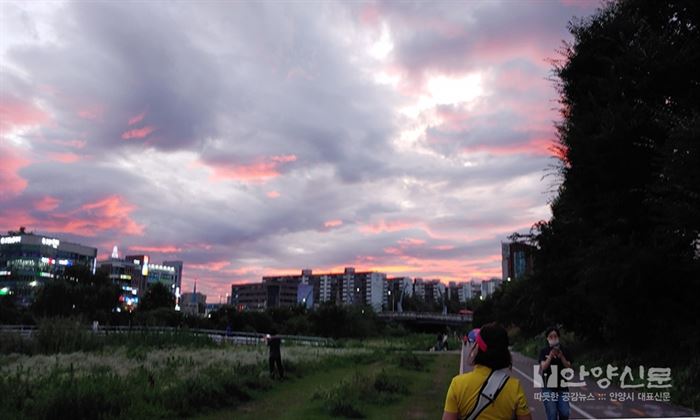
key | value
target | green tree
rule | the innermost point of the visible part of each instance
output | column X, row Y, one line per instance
column 626, row 219
column 157, row 296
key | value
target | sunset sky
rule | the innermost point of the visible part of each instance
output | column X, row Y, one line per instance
column 259, row 138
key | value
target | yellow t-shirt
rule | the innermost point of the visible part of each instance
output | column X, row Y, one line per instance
column 464, row 392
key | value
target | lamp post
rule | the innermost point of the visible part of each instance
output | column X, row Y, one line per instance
column 392, row 301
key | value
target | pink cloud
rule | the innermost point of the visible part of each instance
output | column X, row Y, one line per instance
column 16, row 113
column 76, row 144
column 93, row 112
column 259, row 170
column 273, row 194
column 111, row 213
column 444, row 247
column 137, row 118
column 332, row 223
column 162, row 249
column 138, row 133
column 369, row 15
column 538, row 147
column 387, row 226
column 411, row 242
column 210, row 266
column 10, row 163
column 64, row 157
column 47, row 203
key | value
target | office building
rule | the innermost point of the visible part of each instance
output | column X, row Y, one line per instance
column 248, row 296
column 28, row 260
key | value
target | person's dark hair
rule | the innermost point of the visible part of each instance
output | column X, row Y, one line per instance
column 550, row 329
column 497, row 355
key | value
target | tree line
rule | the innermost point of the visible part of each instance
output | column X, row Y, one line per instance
column 618, row 262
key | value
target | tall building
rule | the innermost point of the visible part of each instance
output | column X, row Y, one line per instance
column 281, row 291
column 248, row 296
column 349, row 288
column 419, row 288
column 397, row 289
column 517, row 260
column 177, row 265
column 434, row 291
column 128, row 275
column 468, row 290
column 166, row 274
column 193, row 303
column 490, row 286
column 28, row 260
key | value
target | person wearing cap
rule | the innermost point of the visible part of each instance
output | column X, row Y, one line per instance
column 555, row 392
column 469, row 396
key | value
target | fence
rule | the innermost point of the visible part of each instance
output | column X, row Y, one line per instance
column 218, row 336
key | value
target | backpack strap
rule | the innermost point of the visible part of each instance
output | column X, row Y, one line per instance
column 489, row 392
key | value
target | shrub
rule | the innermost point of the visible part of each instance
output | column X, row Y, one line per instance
column 413, row 362
column 63, row 335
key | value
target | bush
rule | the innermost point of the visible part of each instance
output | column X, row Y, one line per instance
column 389, row 384
column 413, row 362
column 63, row 335
column 347, row 398
column 14, row 343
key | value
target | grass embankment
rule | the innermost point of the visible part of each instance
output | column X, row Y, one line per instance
column 685, row 379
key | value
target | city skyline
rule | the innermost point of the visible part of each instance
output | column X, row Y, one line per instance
column 259, row 139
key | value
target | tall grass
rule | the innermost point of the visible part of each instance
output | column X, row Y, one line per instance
column 350, row 397
column 167, row 383
column 67, row 335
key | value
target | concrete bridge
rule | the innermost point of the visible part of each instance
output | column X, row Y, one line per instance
column 434, row 318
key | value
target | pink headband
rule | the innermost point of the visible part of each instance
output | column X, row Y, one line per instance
column 480, row 342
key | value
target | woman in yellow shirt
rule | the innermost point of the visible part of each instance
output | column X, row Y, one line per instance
column 488, row 352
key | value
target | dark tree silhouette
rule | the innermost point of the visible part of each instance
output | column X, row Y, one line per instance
column 157, row 296
column 618, row 261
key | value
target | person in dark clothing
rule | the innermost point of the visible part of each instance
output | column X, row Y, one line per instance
column 555, row 358
column 274, row 342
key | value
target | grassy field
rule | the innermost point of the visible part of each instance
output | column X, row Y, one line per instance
column 64, row 373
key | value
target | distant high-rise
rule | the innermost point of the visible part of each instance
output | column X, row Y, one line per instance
column 517, row 260
column 349, row 288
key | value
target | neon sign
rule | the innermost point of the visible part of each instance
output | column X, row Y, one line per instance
column 54, row 243
column 10, row 240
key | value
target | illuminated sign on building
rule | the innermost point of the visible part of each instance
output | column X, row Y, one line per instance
column 161, row 267
column 144, row 270
column 50, row 242
column 10, row 240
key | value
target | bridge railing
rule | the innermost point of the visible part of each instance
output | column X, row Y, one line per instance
column 427, row 316
column 218, row 336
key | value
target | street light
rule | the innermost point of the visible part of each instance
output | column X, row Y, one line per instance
column 392, row 301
